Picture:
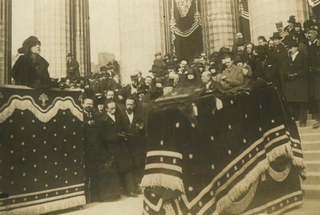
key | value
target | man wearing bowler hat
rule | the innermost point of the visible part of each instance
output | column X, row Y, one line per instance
column 279, row 50
column 72, row 68
column 295, row 72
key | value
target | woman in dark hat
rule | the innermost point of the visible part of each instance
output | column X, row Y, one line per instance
column 31, row 69
column 191, row 79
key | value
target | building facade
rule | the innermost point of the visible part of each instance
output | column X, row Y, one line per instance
column 63, row 27
column 105, row 57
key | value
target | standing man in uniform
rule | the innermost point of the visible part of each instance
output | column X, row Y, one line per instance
column 73, row 72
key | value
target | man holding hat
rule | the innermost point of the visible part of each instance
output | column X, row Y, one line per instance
column 295, row 72
column 72, row 68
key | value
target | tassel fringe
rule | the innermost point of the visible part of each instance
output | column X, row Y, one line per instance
column 162, row 180
column 43, row 115
column 48, row 207
column 255, row 174
column 279, row 151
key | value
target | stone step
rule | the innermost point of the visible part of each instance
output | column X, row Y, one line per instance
column 312, row 178
column 310, row 137
column 310, row 145
column 310, row 191
column 313, row 166
column 308, row 130
column 308, row 124
column 311, row 155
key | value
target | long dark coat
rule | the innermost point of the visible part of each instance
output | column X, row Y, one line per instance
column 30, row 74
column 136, row 143
column 296, row 90
column 314, row 55
column 104, row 179
column 117, row 146
column 73, row 69
column 269, row 72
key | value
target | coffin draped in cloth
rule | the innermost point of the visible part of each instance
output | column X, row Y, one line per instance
column 41, row 150
column 243, row 159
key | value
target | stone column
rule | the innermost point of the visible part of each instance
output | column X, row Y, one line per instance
column 142, row 34
column 220, row 23
column 5, row 40
column 265, row 13
column 62, row 26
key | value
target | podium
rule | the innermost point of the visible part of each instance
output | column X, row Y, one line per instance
column 245, row 158
column 41, row 150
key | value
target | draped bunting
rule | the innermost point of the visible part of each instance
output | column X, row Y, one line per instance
column 41, row 150
column 314, row 3
column 185, row 26
column 244, row 19
column 243, row 159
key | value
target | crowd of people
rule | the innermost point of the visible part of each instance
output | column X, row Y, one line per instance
column 115, row 115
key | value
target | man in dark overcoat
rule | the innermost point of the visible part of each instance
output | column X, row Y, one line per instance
column 134, row 127
column 313, row 48
column 111, row 125
column 295, row 71
column 101, row 177
column 267, row 68
column 73, row 72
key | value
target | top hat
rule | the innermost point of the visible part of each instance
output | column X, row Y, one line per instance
column 169, row 82
column 292, row 19
column 28, row 43
column 276, row 35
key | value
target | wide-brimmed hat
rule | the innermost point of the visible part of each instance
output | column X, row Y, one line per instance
column 28, row 43
column 276, row 35
column 134, row 77
column 292, row 19
column 190, row 71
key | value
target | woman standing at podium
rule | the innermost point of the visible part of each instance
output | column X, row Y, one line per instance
column 31, row 69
